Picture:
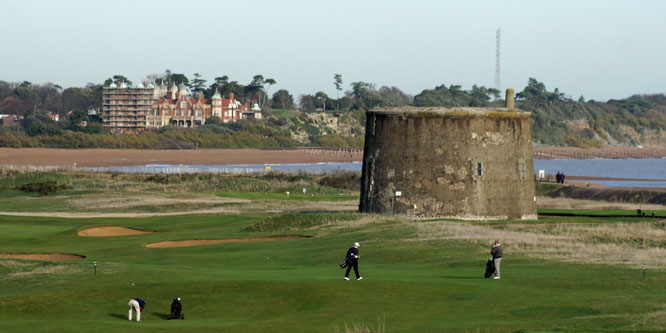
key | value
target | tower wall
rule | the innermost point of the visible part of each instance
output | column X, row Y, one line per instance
column 467, row 163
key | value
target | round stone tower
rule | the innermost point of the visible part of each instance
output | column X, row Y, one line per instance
column 458, row 162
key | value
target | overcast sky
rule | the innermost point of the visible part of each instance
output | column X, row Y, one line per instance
column 599, row 49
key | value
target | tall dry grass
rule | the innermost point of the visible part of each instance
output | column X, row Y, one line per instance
column 568, row 203
column 355, row 327
column 626, row 244
column 16, row 269
column 650, row 320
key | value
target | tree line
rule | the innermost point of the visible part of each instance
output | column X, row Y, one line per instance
column 622, row 121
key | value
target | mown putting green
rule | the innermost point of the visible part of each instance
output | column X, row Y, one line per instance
column 409, row 284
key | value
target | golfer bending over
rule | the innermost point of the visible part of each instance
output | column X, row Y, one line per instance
column 352, row 258
column 497, row 258
column 137, row 304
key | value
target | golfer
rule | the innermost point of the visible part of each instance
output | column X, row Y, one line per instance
column 497, row 258
column 352, row 258
column 137, row 304
column 176, row 309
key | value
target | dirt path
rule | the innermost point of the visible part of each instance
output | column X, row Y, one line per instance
column 197, row 242
column 217, row 210
column 266, row 206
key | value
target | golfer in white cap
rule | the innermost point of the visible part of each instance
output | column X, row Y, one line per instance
column 352, row 258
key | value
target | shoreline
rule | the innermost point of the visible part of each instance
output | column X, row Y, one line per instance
column 138, row 157
column 549, row 153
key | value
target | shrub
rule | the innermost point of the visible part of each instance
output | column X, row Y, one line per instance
column 43, row 188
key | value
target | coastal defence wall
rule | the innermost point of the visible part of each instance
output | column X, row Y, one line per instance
column 464, row 163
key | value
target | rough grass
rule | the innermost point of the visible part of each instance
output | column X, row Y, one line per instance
column 187, row 182
column 19, row 269
column 296, row 221
column 354, row 327
column 626, row 244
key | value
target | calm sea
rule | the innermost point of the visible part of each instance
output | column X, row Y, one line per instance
column 648, row 168
column 644, row 168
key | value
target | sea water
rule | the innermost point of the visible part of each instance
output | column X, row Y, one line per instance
column 639, row 168
column 646, row 168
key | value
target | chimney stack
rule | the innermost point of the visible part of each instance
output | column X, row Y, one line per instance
column 509, row 99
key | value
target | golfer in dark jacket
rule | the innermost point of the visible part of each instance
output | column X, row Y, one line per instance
column 352, row 258
column 497, row 258
column 137, row 305
column 176, row 309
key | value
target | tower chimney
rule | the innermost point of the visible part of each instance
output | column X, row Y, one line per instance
column 509, row 99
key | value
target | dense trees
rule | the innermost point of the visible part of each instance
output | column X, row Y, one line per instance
column 282, row 100
column 363, row 96
column 22, row 99
column 453, row 95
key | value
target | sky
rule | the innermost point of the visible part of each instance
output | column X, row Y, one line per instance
column 598, row 49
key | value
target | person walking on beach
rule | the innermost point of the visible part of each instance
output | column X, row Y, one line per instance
column 562, row 176
column 558, row 177
column 352, row 259
column 496, row 252
column 137, row 305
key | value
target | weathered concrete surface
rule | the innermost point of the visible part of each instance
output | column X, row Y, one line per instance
column 466, row 163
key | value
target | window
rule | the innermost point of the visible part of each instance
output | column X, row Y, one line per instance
column 521, row 170
column 479, row 169
column 183, row 104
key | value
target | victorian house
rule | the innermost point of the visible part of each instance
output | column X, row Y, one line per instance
column 181, row 111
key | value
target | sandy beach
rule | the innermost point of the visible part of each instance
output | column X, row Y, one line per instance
column 134, row 157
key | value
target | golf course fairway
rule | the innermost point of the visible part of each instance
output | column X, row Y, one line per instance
column 410, row 282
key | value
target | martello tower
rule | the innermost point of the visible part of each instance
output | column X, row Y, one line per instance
column 458, row 162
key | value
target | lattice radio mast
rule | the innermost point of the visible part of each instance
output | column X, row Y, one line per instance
column 497, row 59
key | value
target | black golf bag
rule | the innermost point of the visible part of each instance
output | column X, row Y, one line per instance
column 490, row 268
column 344, row 263
column 176, row 310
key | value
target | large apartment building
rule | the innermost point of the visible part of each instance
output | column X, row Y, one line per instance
column 152, row 106
column 124, row 108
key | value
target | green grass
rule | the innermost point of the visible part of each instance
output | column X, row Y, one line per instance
column 14, row 200
column 286, row 113
column 296, row 285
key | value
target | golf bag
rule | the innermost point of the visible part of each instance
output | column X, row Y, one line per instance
column 344, row 263
column 176, row 310
column 490, row 268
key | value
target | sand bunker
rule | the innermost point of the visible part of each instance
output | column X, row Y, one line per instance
column 197, row 242
column 42, row 256
column 111, row 232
